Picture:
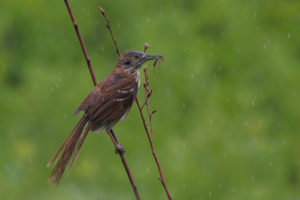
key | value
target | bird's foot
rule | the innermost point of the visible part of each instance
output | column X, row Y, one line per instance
column 120, row 149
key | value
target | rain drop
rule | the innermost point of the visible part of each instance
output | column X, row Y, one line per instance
column 183, row 105
column 289, row 35
column 252, row 103
column 168, row 92
column 265, row 47
column 224, row 155
column 261, row 158
column 252, row 178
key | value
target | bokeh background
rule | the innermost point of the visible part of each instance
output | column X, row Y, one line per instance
column 227, row 97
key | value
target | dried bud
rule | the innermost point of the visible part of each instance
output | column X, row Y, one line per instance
column 154, row 111
column 101, row 10
column 146, row 46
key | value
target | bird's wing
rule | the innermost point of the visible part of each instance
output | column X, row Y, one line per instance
column 110, row 99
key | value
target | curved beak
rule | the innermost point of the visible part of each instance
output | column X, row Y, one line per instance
column 147, row 57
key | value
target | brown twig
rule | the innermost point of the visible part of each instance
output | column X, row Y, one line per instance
column 147, row 95
column 110, row 132
column 120, row 150
column 87, row 58
column 109, row 29
column 150, row 134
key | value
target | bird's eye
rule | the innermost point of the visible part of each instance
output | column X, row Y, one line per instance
column 136, row 57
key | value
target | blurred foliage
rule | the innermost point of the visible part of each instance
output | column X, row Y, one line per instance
column 227, row 97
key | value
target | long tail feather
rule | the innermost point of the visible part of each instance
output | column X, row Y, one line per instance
column 68, row 148
column 79, row 147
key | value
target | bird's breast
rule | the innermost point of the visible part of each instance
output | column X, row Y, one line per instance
column 137, row 78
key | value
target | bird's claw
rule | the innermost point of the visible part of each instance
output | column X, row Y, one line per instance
column 120, row 149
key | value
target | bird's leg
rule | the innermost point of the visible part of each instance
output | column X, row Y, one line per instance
column 119, row 148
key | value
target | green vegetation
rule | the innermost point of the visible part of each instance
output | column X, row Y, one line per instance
column 227, row 97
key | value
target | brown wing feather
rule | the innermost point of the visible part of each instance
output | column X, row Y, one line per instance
column 109, row 100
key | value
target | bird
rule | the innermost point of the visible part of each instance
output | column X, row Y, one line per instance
column 108, row 103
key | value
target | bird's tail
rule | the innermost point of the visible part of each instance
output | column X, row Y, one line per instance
column 70, row 149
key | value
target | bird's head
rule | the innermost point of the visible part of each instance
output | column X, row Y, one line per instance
column 134, row 59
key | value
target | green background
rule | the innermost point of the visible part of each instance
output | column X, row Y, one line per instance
column 227, row 96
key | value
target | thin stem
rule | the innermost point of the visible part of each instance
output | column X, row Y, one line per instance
column 122, row 156
column 161, row 176
column 109, row 29
column 85, row 53
column 110, row 132
column 147, row 95
column 150, row 134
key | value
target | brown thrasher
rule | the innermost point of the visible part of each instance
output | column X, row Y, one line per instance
column 109, row 102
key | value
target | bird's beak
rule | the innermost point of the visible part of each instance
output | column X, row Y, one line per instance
column 147, row 57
